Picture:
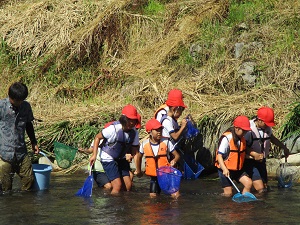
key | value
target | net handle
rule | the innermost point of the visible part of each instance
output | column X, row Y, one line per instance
column 44, row 154
column 234, row 184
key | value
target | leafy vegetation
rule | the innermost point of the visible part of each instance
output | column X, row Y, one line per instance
column 154, row 7
column 291, row 127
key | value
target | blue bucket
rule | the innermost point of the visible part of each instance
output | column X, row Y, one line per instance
column 41, row 174
column 169, row 179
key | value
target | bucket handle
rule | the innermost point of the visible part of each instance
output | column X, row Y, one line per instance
column 44, row 154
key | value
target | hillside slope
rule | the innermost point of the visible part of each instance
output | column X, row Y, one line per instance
column 84, row 60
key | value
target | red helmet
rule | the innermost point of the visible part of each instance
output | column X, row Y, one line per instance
column 127, row 111
column 266, row 114
column 242, row 122
column 130, row 112
column 152, row 124
column 175, row 98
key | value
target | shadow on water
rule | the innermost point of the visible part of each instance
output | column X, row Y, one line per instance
column 200, row 203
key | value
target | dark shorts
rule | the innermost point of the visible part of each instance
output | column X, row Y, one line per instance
column 116, row 169
column 234, row 175
column 100, row 178
column 256, row 170
column 154, row 186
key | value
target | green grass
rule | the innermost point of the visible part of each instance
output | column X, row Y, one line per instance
column 288, row 41
column 291, row 126
column 183, row 57
column 76, row 135
column 154, row 8
column 8, row 63
column 211, row 30
column 249, row 11
column 207, row 46
column 212, row 33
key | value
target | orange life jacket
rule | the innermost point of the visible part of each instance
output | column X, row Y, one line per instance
column 236, row 157
column 162, row 107
column 153, row 162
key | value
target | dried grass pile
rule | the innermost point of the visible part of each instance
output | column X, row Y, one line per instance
column 42, row 27
column 136, row 51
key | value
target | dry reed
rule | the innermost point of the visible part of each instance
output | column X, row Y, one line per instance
column 124, row 43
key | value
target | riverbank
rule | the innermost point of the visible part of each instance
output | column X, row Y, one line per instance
column 84, row 60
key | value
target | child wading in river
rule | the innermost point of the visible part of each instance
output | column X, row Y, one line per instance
column 121, row 141
column 231, row 155
column 156, row 150
column 259, row 141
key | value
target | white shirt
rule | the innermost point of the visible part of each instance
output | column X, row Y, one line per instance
column 162, row 112
column 110, row 133
column 224, row 147
column 170, row 125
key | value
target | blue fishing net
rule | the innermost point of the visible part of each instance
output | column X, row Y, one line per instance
column 86, row 190
column 285, row 182
column 285, row 175
column 192, row 139
column 191, row 130
column 239, row 197
column 169, row 179
column 246, row 197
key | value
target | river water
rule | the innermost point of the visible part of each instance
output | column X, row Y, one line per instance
column 200, row 203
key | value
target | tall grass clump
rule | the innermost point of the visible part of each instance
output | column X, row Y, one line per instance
column 291, row 126
column 290, row 129
column 213, row 33
column 76, row 135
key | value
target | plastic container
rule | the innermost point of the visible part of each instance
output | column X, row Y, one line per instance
column 169, row 179
column 191, row 167
column 42, row 173
column 192, row 170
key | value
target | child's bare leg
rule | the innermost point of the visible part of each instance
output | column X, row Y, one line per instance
column 247, row 182
column 175, row 195
column 107, row 185
column 258, row 185
column 153, row 195
column 116, row 186
column 131, row 175
column 227, row 191
column 127, row 182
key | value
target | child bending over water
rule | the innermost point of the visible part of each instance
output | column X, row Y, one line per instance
column 230, row 156
column 121, row 141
